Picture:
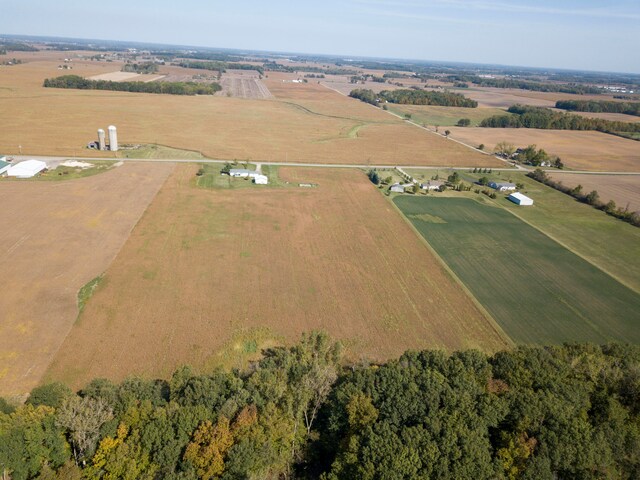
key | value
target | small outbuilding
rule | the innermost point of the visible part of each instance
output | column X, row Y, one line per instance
column 4, row 166
column 26, row 169
column 397, row 188
column 520, row 199
column 502, row 186
column 260, row 180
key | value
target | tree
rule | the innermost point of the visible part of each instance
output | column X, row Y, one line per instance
column 505, row 149
column 576, row 191
column 416, row 188
column 558, row 163
column 483, row 181
column 463, row 122
column 447, row 133
column 453, row 178
column 481, row 146
column 82, row 418
column 592, row 198
column 373, row 176
column 51, row 395
column 209, row 445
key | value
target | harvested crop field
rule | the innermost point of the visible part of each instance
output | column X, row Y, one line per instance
column 622, row 189
column 537, row 290
column 505, row 97
column 205, row 265
column 579, row 150
column 126, row 77
column 57, row 236
column 305, row 123
column 432, row 115
column 243, row 87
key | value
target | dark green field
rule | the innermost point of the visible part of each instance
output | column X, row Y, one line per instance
column 537, row 290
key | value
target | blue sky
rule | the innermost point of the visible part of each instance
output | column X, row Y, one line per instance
column 580, row 34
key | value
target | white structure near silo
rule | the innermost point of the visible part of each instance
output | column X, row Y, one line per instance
column 101, row 140
column 26, row 169
column 520, row 199
column 113, row 138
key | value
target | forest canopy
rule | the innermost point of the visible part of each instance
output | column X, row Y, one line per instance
column 413, row 97
column 171, row 88
column 563, row 412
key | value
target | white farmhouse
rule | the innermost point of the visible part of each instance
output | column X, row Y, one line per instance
column 520, row 199
column 502, row 187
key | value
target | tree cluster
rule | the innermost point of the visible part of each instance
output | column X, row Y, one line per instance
column 601, row 106
column 526, row 84
column 413, row 97
column 220, row 66
column 592, row 198
column 559, row 412
column 144, row 68
column 171, row 88
column 545, row 118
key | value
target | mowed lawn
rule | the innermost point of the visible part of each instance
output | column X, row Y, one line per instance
column 537, row 290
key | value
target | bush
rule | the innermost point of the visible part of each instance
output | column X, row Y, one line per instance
column 463, row 122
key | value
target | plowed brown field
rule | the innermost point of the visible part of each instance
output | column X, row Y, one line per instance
column 305, row 123
column 203, row 265
column 57, row 236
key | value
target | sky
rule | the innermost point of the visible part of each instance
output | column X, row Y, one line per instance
column 572, row 34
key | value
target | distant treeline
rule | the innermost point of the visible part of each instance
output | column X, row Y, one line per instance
column 561, row 412
column 524, row 84
column 16, row 47
column 278, row 67
column 220, row 66
column 629, row 108
column 142, row 68
column 544, row 118
column 592, row 198
column 413, row 97
column 171, row 88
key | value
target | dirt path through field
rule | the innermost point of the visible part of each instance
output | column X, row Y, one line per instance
column 56, row 237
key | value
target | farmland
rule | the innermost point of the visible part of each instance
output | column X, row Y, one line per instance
column 579, row 150
column 610, row 244
column 62, row 235
column 444, row 116
column 205, row 269
column 304, row 123
column 537, row 290
column 622, row 189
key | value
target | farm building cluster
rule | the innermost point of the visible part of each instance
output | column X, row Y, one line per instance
column 256, row 176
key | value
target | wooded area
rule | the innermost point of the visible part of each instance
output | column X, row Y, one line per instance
column 545, row 118
column 171, row 88
column 628, row 108
column 413, row 97
column 534, row 412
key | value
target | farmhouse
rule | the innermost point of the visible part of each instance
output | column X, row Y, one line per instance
column 502, row 187
column 520, row 199
column 26, row 169
column 260, row 179
column 4, row 166
column 397, row 188
column 431, row 185
column 243, row 173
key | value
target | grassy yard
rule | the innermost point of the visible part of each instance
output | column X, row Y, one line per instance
column 444, row 116
column 212, row 178
column 537, row 290
column 160, row 151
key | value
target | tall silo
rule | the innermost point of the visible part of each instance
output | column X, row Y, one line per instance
column 101, row 140
column 113, row 138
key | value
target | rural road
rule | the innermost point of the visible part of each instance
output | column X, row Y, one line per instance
column 298, row 164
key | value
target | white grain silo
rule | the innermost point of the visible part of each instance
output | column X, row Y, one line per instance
column 113, row 138
column 101, row 140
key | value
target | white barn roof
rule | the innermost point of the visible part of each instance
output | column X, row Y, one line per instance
column 26, row 169
column 520, row 199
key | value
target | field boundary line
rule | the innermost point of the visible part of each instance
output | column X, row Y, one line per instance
column 492, row 321
column 562, row 244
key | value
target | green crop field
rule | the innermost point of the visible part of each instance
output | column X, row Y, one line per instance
column 537, row 290
column 444, row 116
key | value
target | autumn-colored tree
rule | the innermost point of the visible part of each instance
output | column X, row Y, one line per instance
column 208, row 447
